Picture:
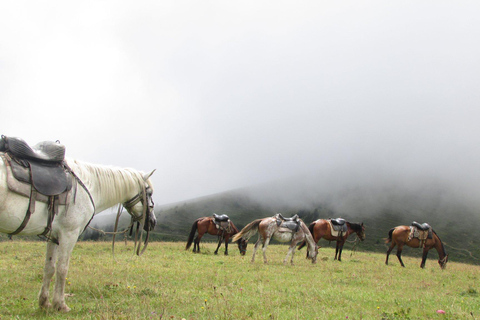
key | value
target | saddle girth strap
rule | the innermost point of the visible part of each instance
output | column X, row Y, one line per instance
column 30, row 210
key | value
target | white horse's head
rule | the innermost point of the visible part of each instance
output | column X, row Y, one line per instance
column 142, row 206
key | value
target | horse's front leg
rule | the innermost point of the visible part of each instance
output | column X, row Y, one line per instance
column 67, row 242
column 48, row 272
column 226, row 245
column 336, row 250
column 424, row 257
column 340, row 249
column 291, row 251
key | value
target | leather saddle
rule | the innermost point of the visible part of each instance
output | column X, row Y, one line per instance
column 423, row 226
column 222, row 222
column 40, row 165
column 292, row 223
column 220, row 217
column 339, row 224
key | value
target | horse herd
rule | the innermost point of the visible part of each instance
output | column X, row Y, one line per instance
column 65, row 194
column 295, row 231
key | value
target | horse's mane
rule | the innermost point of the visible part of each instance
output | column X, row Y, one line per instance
column 112, row 181
column 356, row 226
column 441, row 242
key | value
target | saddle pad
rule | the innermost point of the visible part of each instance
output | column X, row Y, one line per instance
column 338, row 227
column 419, row 234
column 223, row 225
column 48, row 180
column 335, row 231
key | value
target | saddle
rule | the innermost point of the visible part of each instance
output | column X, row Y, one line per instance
column 222, row 222
column 424, row 226
column 37, row 172
column 339, row 224
column 421, row 231
column 42, row 166
column 292, row 223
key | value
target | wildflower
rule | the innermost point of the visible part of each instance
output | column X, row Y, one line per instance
column 440, row 311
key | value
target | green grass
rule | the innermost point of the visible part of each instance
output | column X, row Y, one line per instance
column 168, row 282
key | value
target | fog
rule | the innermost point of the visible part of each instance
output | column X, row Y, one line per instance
column 224, row 95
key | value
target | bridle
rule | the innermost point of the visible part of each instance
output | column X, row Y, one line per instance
column 143, row 220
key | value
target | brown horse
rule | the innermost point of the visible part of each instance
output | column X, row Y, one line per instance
column 207, row 225
column 321, row 228
column 282, row 229
column 399, row 236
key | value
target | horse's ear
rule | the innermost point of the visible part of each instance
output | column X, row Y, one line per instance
column 148, row 175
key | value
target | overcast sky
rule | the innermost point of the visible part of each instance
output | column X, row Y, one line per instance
column 218, row 95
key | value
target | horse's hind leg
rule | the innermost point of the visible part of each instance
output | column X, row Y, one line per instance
column 48, row 272
column 257, row 244
column 196, row 244
column 389, row 251
column 399, row 255
column 264, row 249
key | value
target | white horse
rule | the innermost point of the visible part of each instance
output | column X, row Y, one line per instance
column 276, row 227
column 96, row 188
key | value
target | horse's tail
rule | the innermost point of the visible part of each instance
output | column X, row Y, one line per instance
column 389, row 239
column 192, row 234
column 248, row 231
column 310, row 228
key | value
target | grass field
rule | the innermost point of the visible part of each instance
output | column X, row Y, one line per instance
column 168, row 282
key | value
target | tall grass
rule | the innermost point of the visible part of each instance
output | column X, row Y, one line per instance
column 168, row 282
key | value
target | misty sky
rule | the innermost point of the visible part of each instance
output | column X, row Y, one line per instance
column 218, row 95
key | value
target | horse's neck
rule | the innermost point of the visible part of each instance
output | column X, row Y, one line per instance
column 108, row 186
column 439, row 247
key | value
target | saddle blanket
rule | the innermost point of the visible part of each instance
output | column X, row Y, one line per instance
column 420, row 235
column 336, row 233
column 223, row 225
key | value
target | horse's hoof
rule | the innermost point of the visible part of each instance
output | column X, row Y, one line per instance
column 62, row 308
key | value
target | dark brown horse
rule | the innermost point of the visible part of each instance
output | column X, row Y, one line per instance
column 400, row 236
column 321, row 228
column 207, row 225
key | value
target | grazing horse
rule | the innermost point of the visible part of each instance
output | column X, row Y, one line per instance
column 322, row 228
column 95, row 188
column 400, row 236
column 205, row 225
column 291, row 230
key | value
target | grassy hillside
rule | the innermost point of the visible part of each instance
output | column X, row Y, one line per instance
column 168, row 282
